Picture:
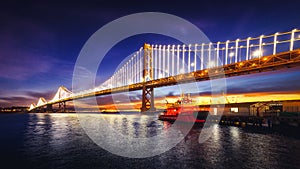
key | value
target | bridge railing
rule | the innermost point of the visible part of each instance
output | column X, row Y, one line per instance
column 171, row 60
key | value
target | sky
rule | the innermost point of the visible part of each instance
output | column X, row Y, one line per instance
column 41, row 40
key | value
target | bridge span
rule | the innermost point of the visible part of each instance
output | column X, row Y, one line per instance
column 156, row 66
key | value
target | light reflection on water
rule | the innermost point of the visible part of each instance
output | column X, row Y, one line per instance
column 58, row 141
column 136, row 126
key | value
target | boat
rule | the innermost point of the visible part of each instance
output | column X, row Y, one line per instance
column 184, row 114
column 184, row 110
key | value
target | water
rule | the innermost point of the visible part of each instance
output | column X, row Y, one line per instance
column 58, row 141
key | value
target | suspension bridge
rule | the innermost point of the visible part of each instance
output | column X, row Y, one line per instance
column 154, row 66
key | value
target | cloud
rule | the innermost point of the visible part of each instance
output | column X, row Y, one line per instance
column 25, row 98
column 22, row 50
column 36, row 95
column 119, row 98
column 276, row 81
column 14, row 101
column 12, row 98
column 20, row 65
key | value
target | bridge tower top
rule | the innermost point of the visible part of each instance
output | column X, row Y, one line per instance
column 147, row 64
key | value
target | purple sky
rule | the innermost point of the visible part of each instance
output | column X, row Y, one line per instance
column 40, row 40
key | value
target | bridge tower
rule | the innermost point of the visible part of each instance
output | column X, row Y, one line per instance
column 148, row 92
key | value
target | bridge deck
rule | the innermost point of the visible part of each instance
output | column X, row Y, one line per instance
column 263, row 64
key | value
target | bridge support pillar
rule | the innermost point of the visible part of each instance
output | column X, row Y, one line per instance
column 49, row 108
column 148, row 99
column 148, row 92
column 64, row 106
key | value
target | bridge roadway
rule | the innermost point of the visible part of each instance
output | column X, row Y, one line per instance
column 267, row 63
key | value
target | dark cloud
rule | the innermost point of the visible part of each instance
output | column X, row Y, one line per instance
column 204, row 93
column 15, row 101
column 104, row 100
column 48, row 95
column 171, row 94
column 20, row 65
column 26, row 98
column 12, row 98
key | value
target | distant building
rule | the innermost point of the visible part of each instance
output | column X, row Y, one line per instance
column 253, row 108
column 265, row 108
column 231, row 109
column 21, row 109
column 241, row 109
column 291, row 106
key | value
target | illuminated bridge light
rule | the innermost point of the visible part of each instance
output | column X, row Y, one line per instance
column 257, row 53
